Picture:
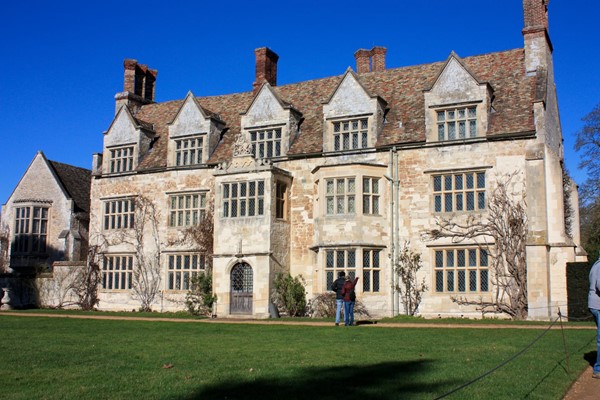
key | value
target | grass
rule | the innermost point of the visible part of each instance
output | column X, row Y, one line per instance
column 56, row 358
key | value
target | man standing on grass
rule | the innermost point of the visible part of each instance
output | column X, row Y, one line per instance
column 337, row 287
column 594, row 306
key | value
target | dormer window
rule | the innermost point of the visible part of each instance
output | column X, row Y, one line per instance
column 266, row 143
column 121, row 159
column 457, row 104
column 350, row 134
column 188, row 151
column 457, row 123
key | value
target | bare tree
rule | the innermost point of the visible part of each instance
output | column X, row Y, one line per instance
column 144, row 238
column 410, row 288
column 588, row 144
column 502, row 233
column 88, row 279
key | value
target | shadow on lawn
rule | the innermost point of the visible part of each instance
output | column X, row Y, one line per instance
column 590, row 357
column 392, row 380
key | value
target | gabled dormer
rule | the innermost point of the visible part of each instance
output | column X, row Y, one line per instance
column 193, row 134
column 270, row 124
column 457, row 105
column 125, row 142
column 352, row 116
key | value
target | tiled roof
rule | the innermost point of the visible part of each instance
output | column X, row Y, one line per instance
column 402, row 88
column 76, row 181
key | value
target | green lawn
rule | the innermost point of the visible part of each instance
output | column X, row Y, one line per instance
column 58, row 358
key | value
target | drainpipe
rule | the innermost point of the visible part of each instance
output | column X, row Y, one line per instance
column 396, row 216
column 392, row 255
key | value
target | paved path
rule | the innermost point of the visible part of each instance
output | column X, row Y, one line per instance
column 584, row 388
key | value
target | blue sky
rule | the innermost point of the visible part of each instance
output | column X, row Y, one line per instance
column 61, row 62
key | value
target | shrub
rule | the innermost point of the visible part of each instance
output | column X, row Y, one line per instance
column 289, row 295
column 323, row 305
column 200, row 298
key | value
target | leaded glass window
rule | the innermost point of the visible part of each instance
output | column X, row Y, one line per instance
column 461, row 270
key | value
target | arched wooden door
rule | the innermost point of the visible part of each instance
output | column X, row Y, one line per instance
column 241, row 289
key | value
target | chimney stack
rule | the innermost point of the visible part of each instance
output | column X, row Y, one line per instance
column 538, row 47
column 378, row 58
column 363, row 61
column 266, row 67
column 139, row 85
column 370, row 60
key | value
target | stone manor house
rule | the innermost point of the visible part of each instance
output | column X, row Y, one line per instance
column 336, row 174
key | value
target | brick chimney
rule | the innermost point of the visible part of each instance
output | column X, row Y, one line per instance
column 538, row 47
column 266, row 67
column 378, row 58
column 363, row 61
column 139, row 84
column 370, row 60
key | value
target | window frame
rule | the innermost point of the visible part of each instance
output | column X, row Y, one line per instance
column 337, row 199
column 184, row 217
column 117, row 268
column 281, row 195
column 180, row 152
column 237, row 202
column 334, row 264
column 262, row 143
column 178, row 277
column 371, row 270
column 448, row 191
column 446, row 276
column 372, row 196
column 121, row 163
column 124, row 218
column 357, row 138
column 452, row 119
column 31, row 231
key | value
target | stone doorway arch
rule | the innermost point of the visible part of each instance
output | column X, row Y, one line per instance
column 241, row 283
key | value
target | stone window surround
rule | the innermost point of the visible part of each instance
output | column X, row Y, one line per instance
column 281, row 200
column 356, row 269
column 131, row 214
column 362, row 171
column 202, row 204
column 122, row 277
column 176, row 276
column 432, row 116
column 329, row 144
column 32, row 205
column 456, row 171
column 276, row 128
column 129, row 158
column 462, row 269
column 199, row 150
column 251, row 205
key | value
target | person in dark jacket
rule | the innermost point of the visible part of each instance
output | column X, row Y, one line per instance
column 337, row 287
column 349, row 299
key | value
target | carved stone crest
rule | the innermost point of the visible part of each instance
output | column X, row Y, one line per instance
column 241, row 146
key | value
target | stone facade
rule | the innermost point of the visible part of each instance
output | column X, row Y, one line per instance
column 46, row 219
column 335, row 174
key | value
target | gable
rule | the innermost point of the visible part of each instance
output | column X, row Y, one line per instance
column 265, row 107
column 39, row 183
column 349, row 98
column 123, row 130
column 456, row 84
column 189, row 120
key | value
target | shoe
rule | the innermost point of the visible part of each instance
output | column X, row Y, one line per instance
column 337, row 324
column 596, row 375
